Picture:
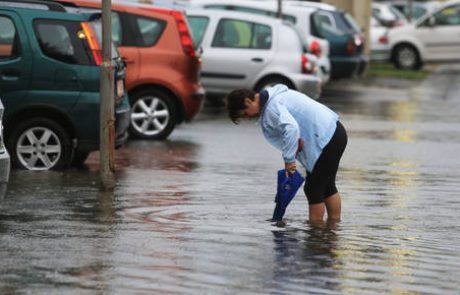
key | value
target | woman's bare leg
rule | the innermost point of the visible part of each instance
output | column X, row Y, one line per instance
column 316, row 212
column 333, row 207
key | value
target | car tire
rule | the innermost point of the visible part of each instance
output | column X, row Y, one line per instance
column 406, row 57
column 271, row 81
column 153, row 115
column 40, row 144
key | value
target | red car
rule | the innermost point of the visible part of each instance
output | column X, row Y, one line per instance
column 163, row 68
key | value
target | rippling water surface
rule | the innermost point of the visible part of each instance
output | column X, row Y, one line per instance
column 188, row 215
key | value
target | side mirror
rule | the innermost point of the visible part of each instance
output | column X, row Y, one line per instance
column 431, row 21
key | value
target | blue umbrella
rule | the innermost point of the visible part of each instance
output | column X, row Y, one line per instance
column 286, row 191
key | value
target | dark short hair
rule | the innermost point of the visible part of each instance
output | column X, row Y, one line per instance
column 235, row 103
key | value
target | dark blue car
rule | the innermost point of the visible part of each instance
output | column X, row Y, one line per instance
column 345, row 38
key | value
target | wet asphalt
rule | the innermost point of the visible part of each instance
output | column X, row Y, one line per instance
column 188, row 215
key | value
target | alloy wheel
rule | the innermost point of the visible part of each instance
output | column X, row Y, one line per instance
column 407, row 57
column 38, row 148
column 150, row 115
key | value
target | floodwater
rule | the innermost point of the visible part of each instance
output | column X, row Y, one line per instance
column 188, row 216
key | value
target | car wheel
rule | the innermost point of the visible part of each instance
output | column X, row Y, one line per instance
column 153, row 115
column 271, row 81
column 40, row 144
column 406, row 57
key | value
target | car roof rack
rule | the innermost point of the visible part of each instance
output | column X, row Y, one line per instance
column 34, row 4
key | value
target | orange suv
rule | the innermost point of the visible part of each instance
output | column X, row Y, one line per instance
column 163, row 68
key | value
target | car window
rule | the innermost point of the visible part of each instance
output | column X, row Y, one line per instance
column 150, row 30
column 116, row 28
column 351, row 22
column 417, row 11
column 242, row 34
column 8, row 39
column 59, row 40
column 198, row 25
column 324, row 24
column 449, row 16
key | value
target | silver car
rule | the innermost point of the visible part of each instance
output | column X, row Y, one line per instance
column 4, row 158
column 242, row 50
column 295, row 13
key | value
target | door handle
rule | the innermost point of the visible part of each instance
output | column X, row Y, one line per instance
column 10, row 75
column 257, row 59
column 128, row 61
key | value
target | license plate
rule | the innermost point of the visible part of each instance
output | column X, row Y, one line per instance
column 120, row 88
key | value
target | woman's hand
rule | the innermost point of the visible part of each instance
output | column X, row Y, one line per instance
column 290, row 168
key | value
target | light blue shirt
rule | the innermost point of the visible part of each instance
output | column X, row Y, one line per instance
column 289, row 115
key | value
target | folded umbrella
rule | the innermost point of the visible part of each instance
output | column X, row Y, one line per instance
column 286, row 191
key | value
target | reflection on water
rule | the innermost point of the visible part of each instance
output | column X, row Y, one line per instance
column 188, row 215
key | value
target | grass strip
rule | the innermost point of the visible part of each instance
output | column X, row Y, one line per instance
column 388, row 70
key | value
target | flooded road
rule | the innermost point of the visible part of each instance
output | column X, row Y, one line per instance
column 188, row 216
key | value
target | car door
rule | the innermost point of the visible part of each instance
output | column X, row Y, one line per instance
column 234, row 53
column 440, row 34
column 60, row 67
column 15, row 60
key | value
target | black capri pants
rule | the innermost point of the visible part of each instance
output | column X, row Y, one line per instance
column 320, row 183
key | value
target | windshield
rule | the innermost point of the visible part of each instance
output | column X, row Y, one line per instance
column 351, row 22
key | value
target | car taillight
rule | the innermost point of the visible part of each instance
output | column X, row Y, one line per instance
column 307, row 66
column 185, row 37
column 350, row 47
column 354, row 43
column 315, row 48
column 383, row 39
column 92, row 42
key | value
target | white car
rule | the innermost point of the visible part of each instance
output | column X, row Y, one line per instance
column 380, row 47
column 298, row 16
column 435, row 37
column 388, row 15
column 242, row 50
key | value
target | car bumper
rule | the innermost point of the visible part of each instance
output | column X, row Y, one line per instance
column 348, row 67
column 325, row 70
column 193, row 102
column 122, row 121
column 4, row 166
column 380, row 55
column 89, row 141
column 307, row 84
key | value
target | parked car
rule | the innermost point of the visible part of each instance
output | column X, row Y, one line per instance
column 418, row 8
column 241, row 50
column 4, row 157
column 323, row 21
column 379, row 45
column 432, row 38
column 388, row 15
column 49, row 81
column 163, row 67
column 345, row 37
column 313, row 44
